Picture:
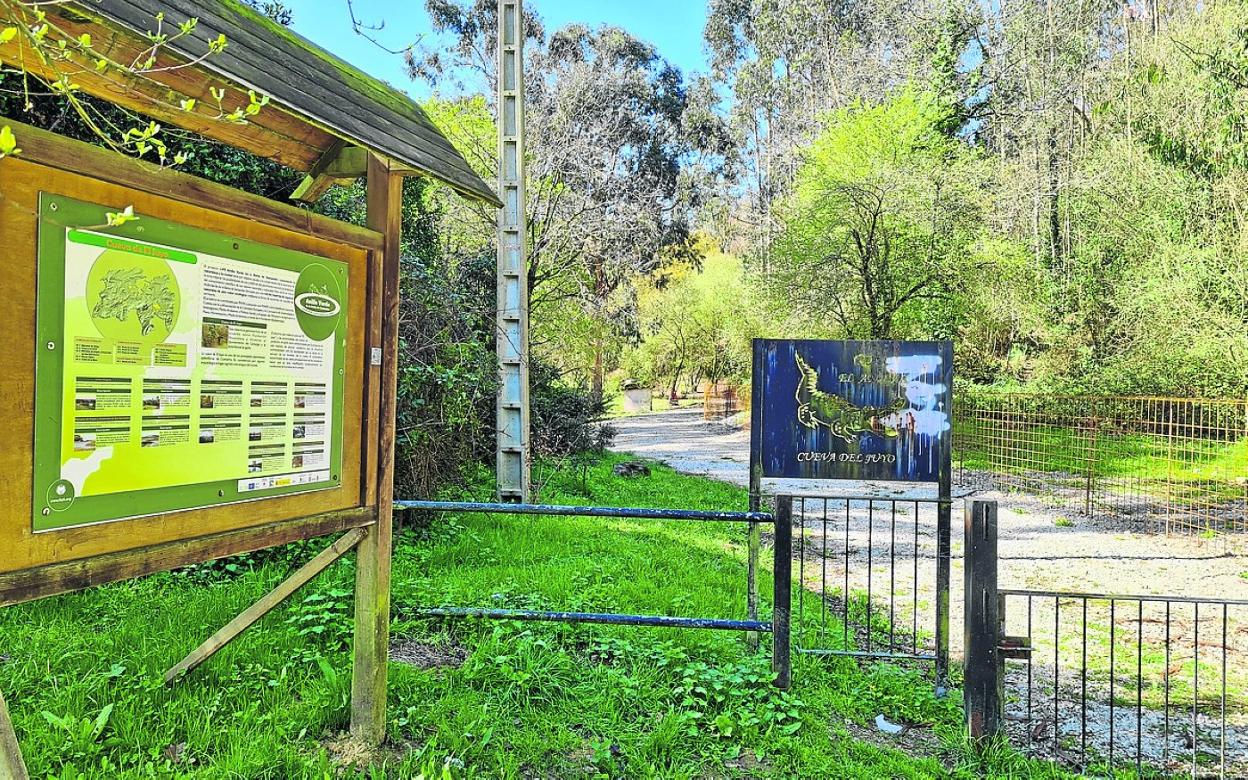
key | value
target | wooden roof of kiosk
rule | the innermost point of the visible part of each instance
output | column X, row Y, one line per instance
column 324, row 114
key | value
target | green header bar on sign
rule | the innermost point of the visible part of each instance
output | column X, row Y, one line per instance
column 134, row 247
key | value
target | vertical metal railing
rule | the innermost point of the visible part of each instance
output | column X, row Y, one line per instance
column 1107, row 684
column 1116, row 681
column 870, row 575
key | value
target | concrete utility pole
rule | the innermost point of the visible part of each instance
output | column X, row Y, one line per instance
column 513, row 283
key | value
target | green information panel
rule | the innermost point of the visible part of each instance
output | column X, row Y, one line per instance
column 179, row 368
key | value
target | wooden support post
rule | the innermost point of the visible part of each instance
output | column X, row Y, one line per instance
column 11, row 765
column 984, row 676
column 372, row 579
column 248, row 617
column 782, row 595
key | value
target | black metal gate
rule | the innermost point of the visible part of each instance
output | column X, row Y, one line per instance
column 778, row 626
column 1108, row 684
column 873, row 578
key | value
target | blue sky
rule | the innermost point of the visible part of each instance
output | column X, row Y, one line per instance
column 673, row 26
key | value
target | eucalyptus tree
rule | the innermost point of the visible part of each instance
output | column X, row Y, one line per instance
column 619, row 148
column 790, row 62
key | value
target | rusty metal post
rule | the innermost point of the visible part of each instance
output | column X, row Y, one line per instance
column 944, row 523
column 753, row 536
column 782, row 595
column 983, row 679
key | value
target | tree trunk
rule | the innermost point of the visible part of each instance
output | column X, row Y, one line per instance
column 600, row 305
column 597, row 381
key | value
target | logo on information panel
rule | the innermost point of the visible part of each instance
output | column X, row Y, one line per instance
column 317, row 307
column 61, row 494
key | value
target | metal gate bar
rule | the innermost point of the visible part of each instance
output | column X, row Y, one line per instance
column 778, row 627
column 609, row 618
column 586, row 511
column 893, row 624
column 1108, row 684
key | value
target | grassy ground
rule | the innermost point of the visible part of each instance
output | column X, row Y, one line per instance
column 82, row 672
column 1063, row 449
column 615, row 405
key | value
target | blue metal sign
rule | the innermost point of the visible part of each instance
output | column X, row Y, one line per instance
column 860, row 410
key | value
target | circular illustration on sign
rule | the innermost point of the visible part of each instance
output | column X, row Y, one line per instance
column 317, row 302
column 61, row 494
column 132, row 298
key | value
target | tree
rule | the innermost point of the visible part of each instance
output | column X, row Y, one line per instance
column 618, row 150
column 789, row 63
column 694, row 323
column 881, row 219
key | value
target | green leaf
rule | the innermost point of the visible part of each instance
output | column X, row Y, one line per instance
column 8, row 143
column 101, row 720
column 116, row 219
column 8, row 34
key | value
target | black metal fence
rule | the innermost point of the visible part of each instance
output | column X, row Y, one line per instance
column 1107, row 684
column 874, row 578
column 1146, row 681
column 778, row 626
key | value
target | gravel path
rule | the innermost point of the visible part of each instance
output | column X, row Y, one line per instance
column 1045, row 543
column 1038, row 548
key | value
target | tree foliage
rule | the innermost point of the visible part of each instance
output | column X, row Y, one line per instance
column 880, row 221
column 619, row 150
column 695, row 323
column 1083, row 215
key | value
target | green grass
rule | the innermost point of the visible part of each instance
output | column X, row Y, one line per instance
column 659, row 403
column 1203, row 467
column 82, row 672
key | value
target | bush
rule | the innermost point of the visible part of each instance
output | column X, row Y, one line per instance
column 447, row 373
column 565, row 419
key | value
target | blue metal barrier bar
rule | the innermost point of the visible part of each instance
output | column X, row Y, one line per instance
column 595, row 617
column 587, row 511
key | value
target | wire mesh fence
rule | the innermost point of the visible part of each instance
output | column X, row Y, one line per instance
column 1172, row 465
column 1129, row 685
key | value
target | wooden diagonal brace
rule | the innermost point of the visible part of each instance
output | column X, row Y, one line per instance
column 11, row 765
column 248, row 617
column 340, row 162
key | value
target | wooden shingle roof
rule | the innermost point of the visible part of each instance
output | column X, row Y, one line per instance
column 317, row 100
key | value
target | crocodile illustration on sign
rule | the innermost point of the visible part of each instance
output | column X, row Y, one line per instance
column 817, row 408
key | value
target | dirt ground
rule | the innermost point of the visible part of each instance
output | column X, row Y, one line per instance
column 1045, row 543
